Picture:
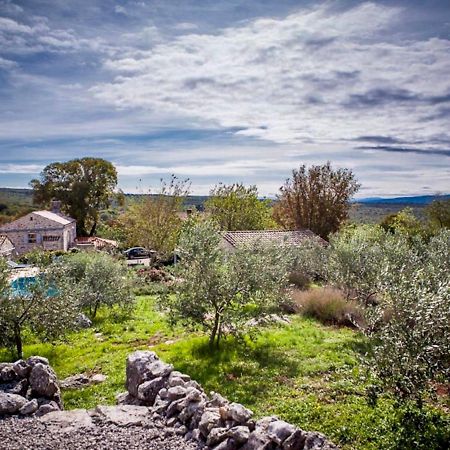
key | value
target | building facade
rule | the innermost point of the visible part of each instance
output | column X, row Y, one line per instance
column 46, row 230
column 6, row 246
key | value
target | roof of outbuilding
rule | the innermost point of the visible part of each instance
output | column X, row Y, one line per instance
column 291, row 238
column 59, row 218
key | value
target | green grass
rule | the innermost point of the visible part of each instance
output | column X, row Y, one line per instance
column 305, row 373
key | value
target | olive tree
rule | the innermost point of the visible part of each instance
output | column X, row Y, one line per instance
column 95, row 280
column 41, row 310
column 222, row 290
column 411, row 332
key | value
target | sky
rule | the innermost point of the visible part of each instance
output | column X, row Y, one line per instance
column 228, row 90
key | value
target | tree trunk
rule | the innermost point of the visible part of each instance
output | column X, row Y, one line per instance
column 93, row 229
column 212, row 337
column 18, row 341
column 95, row 310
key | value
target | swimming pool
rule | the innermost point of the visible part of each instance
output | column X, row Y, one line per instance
column 21, row 286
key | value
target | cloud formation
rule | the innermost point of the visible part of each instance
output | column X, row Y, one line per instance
column 228, row 91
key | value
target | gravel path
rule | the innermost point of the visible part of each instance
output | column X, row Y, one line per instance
column 32, row 434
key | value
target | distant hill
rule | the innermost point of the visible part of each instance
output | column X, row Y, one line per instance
column 416, row 200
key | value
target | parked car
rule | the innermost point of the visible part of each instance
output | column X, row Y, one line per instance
column 138, row 253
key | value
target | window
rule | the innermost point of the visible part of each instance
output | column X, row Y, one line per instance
column 32, row 238
column 51, row 238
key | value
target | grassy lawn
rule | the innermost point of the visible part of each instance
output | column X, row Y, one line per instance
column 305, row 373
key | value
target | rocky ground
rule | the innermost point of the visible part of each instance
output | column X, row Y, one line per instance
column 80, row 433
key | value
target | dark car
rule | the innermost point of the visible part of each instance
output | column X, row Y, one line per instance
column 138, row 253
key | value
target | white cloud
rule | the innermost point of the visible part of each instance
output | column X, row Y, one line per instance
column 20, row 168
column 293, row 80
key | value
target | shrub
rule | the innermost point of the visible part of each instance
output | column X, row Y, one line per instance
column 328, row 306
column 46, row 313
column 95, row 279
column 300, row 280
column 220, row 290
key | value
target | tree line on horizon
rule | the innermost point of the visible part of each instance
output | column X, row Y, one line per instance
column 316, row 198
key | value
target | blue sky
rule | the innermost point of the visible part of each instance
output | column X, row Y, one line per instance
column 228, row 90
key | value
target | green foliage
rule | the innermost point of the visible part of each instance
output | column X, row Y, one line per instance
column 438, row 213
column 84, row 186
column 356, row 256
column 305, row 373
column 41, row 258
column 404, row 222
column 317, row 199
column 411, row 325
column 221, row 291
column 402, row 282
column 236, row 207
column 46, row 316
column 14, row 203
column 94, row 280
column 153, row 221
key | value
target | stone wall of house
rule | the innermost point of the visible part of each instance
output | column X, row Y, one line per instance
column 45, row 231
column 212, row 421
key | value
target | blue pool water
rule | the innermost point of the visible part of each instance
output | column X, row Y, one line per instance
column 21, row 286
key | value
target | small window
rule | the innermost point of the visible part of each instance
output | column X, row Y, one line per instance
column 32, row 238
column 51, row 238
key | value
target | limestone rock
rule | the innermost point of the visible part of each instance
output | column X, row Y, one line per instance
column 216, row 435
column 137, row 370
column 98, row 378
column 77, row 381
column 123, row 415
column 29, row 408
column 83, row 321
column 279, row 431
column 11, row 403
column 295, row 441
column 65, row 421
column 240, row 434
column 7, row 373
column 259, row 440
column 176, row 392
column 148, row 390
column 21, row 368
column 47, row 408
column 239, row 413
column 210, row 419
column 33, row 360
column 43, row 381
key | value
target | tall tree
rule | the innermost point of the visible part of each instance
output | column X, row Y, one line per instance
column 84, row 186
column 237, row 207
column 438, row 212
column 317, row 198
column 154, row 222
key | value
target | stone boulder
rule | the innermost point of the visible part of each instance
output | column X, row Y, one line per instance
column 11, row 403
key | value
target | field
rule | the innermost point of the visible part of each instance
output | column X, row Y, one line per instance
column 305, row 373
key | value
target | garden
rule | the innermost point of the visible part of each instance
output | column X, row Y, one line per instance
column 354, row 356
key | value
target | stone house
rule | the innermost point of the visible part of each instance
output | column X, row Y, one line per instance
column 47, row 230
column 233, row 239
column 6, row 246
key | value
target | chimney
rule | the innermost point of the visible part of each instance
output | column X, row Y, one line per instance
column 56, row 206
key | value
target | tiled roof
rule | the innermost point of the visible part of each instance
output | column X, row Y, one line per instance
column 283, row 237
column 96, row 241
column 59, row 218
